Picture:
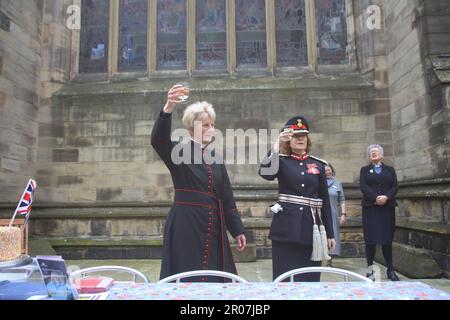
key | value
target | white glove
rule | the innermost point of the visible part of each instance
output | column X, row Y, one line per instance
column 276, row 208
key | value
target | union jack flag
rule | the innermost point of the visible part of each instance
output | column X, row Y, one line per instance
column 24, row 207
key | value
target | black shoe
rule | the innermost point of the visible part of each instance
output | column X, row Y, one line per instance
column 371, row 275
column 392, row 276
column 330, row 263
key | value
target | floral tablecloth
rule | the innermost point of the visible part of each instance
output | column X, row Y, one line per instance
column 278, row 291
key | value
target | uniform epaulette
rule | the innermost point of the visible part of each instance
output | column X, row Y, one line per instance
column 320, row 160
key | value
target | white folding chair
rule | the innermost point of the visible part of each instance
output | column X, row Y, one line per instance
column 345, row 273
column 84, row 272
column 201, row 273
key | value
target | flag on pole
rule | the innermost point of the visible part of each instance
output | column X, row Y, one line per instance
column 27, row 199
column 25, row 202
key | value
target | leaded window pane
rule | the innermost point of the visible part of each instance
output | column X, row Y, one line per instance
column 171, row 36
column 133, row 35
column 290, row 24
column 331, row 31
column 251, row 43
column 211, row 34
column 94, row 36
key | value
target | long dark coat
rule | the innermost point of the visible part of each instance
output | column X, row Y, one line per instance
column 204, row 209
column 378, row 221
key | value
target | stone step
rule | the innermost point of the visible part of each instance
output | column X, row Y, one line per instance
column 141, row 234
column 40, row 247
column 123, row 248
column 108, row 248
column 413, row 262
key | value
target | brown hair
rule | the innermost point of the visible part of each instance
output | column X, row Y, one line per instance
column 332, row 168
column 285, row 147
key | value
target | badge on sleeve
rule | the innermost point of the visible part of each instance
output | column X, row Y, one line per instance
column 313, row 168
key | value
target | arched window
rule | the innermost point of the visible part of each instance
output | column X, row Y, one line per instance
column 331, row 19
column 211, row 31
column 290, row 24
column 158, row 36
column 133, row 28
column 171, row 34
column 94, row 36
column 251, row 45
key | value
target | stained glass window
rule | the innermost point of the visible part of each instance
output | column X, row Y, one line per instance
column 171, row 37
column 94, row 36
column 290, row 25
column 132, row 35
column 211, row 34
column 251, row 47
column 331, row 31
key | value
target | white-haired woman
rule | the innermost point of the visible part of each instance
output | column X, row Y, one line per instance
column 379, row 186
column 195, row 236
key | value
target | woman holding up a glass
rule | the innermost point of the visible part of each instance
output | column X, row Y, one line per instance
column 195, row 235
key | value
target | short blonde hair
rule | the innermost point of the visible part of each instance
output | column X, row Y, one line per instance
column 198, row 111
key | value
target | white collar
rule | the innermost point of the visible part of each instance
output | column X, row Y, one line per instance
column 203, row 145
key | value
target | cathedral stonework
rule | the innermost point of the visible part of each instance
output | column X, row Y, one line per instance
column 78, row 104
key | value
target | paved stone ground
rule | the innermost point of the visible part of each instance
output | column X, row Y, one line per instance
column 260, row 271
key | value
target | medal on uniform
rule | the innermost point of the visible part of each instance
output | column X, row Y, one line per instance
column 312, row 168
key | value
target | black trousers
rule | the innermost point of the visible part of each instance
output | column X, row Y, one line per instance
column 287, row 256
column 387, row 254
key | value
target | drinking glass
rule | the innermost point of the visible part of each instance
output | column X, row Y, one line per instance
column 186, row 91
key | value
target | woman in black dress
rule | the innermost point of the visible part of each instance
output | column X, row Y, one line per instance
column 303, row 202
column 379, row 186
column 204, row 208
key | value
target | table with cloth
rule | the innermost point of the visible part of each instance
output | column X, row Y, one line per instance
column 278, row 291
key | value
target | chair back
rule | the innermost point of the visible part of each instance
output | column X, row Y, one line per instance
column 203, row 273
column 345, row 273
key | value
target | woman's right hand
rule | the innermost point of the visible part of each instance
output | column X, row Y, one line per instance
column 381, row 200
column 285, row 136
column 173, row 97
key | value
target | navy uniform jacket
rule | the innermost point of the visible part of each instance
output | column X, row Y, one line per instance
column 374, row 185
column 195, row 232
column 295, row 222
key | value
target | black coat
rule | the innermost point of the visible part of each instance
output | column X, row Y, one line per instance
column 204, row 208
column 374, row 185
column 295, row 223
column 378, row 221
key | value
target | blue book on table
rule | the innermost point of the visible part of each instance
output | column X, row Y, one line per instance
column 56, row 278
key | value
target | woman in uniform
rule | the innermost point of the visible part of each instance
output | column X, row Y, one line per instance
column 204, row 208
column 303, row 203
column 379, row 186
